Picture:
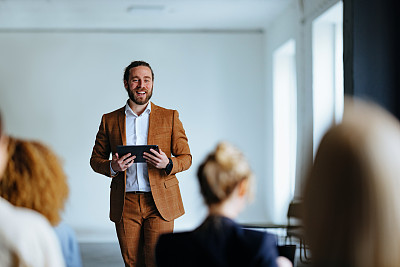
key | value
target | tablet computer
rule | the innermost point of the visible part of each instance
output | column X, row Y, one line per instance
column 136, row 150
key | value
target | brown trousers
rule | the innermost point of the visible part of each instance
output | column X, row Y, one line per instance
column 139, row 230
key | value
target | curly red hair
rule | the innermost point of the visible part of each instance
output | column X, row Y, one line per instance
column 34, row 178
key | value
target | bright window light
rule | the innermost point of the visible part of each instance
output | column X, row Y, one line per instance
column 285, row 127
column 328, row 92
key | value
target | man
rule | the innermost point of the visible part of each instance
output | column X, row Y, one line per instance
column 145, row 197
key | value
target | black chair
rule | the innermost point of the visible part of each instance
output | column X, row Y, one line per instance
column 295, row 229
column 288, row 251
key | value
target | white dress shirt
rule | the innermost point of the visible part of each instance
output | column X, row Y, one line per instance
column 137, row 128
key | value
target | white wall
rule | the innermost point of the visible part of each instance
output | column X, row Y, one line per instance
column 54, row 87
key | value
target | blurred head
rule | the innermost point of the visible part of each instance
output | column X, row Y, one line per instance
column 221, row 172
column 351, row 196
column 34, row 179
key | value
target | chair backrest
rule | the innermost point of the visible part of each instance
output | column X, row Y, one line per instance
column 294, row 214
column 295, row 227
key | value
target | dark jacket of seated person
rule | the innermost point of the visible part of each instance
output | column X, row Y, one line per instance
column 218, row 241
column 224, row 179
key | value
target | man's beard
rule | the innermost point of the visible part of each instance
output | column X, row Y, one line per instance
column 132, row 96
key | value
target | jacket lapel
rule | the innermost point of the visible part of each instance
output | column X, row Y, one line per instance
column 152, row 123
column 122, row 126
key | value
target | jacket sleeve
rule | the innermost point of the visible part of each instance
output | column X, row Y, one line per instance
column 179, row 146
column 99, row 161
column 267, row 251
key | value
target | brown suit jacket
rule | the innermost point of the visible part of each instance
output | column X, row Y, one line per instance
column 166, row 131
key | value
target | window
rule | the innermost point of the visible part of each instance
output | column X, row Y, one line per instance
column 328, row 92
column 285, row 126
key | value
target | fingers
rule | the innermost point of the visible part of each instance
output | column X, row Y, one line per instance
column 122, row 163
column 126, row 156
column 155, row 152
column 126, row 161
column 152, row 158
column 157, row 159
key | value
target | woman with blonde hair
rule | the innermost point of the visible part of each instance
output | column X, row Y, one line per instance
column 351, row 197
column 224, row 179
column 26, row 237
column 34, row 179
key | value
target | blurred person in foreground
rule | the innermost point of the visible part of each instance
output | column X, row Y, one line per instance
column 224, row 178
column 351, row 197
column 26, row 237
column 34, row 179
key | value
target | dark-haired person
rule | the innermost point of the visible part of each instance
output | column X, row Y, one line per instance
column 26, row 237
column 224, row 179
column 145, row 197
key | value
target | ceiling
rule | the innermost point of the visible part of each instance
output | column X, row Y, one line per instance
column 139, row 15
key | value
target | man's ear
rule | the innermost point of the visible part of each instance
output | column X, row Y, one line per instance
column 126, row 84
column 243, row 187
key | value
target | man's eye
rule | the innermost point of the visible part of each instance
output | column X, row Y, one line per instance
column 147, row 81
column 135, row 80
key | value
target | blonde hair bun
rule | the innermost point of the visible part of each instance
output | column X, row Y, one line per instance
column 221, row 172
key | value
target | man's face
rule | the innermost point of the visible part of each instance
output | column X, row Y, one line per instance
column 139, row 85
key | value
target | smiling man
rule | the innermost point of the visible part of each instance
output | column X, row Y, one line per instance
column 145, row 198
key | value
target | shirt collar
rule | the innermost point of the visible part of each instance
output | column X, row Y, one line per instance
column 129, row 111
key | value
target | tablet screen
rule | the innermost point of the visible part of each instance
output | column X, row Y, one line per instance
column 136, row 150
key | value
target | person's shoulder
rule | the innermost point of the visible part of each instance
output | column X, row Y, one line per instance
column 31, row 223
column 113, row 116
column 259, row 236
column 115, row 112
column 175, row 249
column 16, row 213
column 261, row 247
column 163, row 113
column 30, row 235
column 175, row 238
column 259, row 240
column 170, row 243
column 65, row 232
column 160, row 108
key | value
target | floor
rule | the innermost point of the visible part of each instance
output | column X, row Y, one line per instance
column 101, row 255
column 108, row 255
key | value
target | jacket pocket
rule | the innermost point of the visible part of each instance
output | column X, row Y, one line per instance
column 171, row 182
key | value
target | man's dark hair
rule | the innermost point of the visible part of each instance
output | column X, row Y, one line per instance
column 135, row 64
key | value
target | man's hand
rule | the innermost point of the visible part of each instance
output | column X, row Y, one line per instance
column 120, row 164
column 157, row 159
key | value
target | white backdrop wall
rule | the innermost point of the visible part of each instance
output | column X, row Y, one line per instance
column 54, row 87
